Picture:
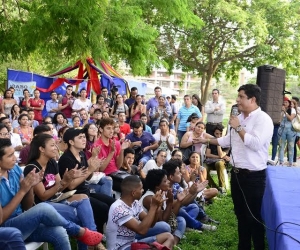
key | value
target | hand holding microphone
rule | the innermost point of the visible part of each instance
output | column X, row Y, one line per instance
column 234, row 121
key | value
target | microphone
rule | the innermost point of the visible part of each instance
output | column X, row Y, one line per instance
column 234, row 111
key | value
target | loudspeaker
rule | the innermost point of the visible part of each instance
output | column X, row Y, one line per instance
column 271, row 80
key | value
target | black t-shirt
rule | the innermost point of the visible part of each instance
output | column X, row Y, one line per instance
column 49, row 176
column 214, row 149
column 69, row 161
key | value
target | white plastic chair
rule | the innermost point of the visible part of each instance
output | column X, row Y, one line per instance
column 36, row 245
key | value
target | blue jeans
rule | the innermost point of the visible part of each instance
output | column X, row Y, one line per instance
column 275, row 141
column 190, row 213
column 79, row 212
column 159, row 228
column 180, row 134
column 104, row 186
column 145, row 159
column 42, row 223
column 287, row 135
column 11, row 239
column 181, row 226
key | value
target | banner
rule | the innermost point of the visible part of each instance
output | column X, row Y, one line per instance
column 20, row 86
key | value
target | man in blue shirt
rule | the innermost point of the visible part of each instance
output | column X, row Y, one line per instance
column 183, row 114
column 143, row 140
column 52, row 105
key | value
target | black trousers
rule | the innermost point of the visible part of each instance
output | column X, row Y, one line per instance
column 100, row 204
column 253, row 186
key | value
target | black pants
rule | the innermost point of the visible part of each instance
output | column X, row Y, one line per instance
column 253, row 186
column 100, row 204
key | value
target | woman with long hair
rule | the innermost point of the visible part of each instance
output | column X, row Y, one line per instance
column 7, row 102
column 59, row 120
column 62, row 146
column 37, row 104
column 104, row 186
column 119, row 106
column 76, row 121
column 100, row 104
column 157, row 181
column 76, row 208
column 192, row 138
column 197, row 102
column 286, row 133
column 24, row 99
column 15, row 112
column 24, row 130
column 137, row 109
column 191, row 122
column 196, row 172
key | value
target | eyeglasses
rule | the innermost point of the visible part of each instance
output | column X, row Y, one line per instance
column 4, row 134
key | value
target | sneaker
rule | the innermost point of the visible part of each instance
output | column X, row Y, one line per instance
column 206, row 227
column 207, row 219
column 222, row 190
column 188, row 229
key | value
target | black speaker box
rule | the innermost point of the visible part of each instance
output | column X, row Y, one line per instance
column 271, row 80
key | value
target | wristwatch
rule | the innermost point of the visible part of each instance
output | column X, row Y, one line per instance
column 238, row 128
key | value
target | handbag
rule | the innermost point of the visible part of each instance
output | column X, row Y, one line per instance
column 144, row 246
column 97, row 176
column 296, row 123
column 173, row 222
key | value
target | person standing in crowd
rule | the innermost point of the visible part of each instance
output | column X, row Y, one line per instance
column 215, row 111
column 286, row 133
column 100, row 104
column 124, row 127
column 24, row 99
column 153, row 103
column 130, row 101
column 7, row 102
column 137, row 108
column 66, row 103
column 82, row 102
column 52, row 105
column 118, row 107
column 175, row 108
column 160, row 112
column 249, row 140
column 12, row 89
column 183, row 114
column 197, row 102
column 108, row 100
column 295, row 100
column 37, row 105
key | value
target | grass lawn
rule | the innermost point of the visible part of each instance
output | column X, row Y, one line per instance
column 225, row 238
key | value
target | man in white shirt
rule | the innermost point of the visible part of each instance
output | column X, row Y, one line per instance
column 215, row 111
column 127, row 218
column 82, row 102
column 249, row 140
column 165, row 140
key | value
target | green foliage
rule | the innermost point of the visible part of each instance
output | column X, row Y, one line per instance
column 235, row 34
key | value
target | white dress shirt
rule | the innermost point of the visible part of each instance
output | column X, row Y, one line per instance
column 252, row 153
column 212, row 115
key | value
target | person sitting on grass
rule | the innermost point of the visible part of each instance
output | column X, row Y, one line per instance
column 197, row 172
column 126, row 218
column 216, row 159
column 40, row 223
column 156, row 163
column 157, row 180
column 189, row 211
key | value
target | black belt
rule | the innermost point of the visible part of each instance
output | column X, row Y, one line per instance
column 212, row 123
column 245, row 171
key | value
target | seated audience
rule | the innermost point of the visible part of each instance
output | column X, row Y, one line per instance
column 142, row 142
column 216, row 159
column 128, row 163
column 159, row 112
column 191, row 122
column 31, row 118
column 24, row 130
column 76, row 122
column 124, row 127
column 157, row 180
column 166, row 141
column 123, row 226
column 156, row 163
column 40, row 223
column 144, row 120
column 77, row 208
column 59, row 120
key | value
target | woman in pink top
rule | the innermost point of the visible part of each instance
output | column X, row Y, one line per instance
column 137, row 109
column 191, row 138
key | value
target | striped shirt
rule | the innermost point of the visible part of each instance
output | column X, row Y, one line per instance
column 184, row 113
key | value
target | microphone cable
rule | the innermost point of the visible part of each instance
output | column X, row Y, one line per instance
column 252, row 215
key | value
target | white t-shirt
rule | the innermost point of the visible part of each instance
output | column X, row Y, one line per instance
column 119, row 237
column 78, row 104
column 164, row 145
column 151, row 164
column 15, row 141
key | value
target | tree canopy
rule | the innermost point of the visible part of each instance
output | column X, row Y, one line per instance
column 235, row 34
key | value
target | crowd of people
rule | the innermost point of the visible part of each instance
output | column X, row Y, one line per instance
column 165, row 149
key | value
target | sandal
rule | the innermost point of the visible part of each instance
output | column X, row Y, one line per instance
column 90, row 238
